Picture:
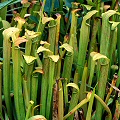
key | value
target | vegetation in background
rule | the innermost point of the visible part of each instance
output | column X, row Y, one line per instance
column 59, row 60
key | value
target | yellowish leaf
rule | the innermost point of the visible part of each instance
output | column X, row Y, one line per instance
column 73, row 85
column 38, row 71
column 29, row 59
column 67, row 47
column 42, row 49
column 31, row 34
column 20, row 20
column 55, row 58
column 97, row 56
column 37, row 117
column 12, row 31
column 46, row 19
column 46, row 44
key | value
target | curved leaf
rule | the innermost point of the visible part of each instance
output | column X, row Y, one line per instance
column 55, row 58
column 31, row 34
column 88, row 7
column 38, row 71
column 29, row 59
column 37, row 117
column 45, row 43
column 114, row 24
column 97, row 56
column 10, row 32
column 42, row 49
column 105, row 32
column 46, row 19
column 73, row 85
column 67, row 47
column 89, row 15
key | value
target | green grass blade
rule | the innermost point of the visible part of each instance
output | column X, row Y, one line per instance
column 89, row 112
column 83, row 89
column 109, row 117
column 78, row 106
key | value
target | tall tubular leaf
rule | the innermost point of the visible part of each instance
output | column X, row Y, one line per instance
column 6, row 67
column 75, row 96
column 93, row 37
column 45, row 77
column 57, row 32
column 60, row 101
column 67, row 72
column 0, row 91
column 44, row 86
column 69, row 56
column 34, row 88
column 118, row 36
column 113, row 44
column 28, row 68
column 52, row 35
column 83, row 88
column 94, row 56
column 103, row 67
column 1, row 30
column 73, row 32
column 102, row 79
column 20, row 111
column 51, row 81
column 83, row 42
column 105, row 35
